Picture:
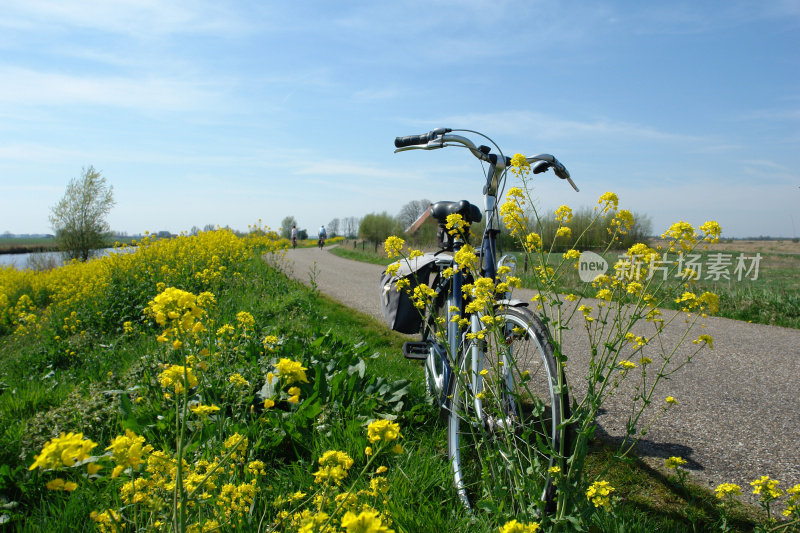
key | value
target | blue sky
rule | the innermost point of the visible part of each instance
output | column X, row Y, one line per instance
column 228, row 112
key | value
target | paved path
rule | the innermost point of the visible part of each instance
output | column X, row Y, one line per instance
column 739, row 411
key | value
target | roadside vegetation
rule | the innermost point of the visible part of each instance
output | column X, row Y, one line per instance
column 195, row 363
column 766, row 289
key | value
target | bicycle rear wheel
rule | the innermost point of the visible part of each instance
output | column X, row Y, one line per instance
column 434, row 324
column 505, row 407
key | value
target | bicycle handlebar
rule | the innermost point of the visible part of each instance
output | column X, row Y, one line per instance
column 425, row 138
column 426, row 142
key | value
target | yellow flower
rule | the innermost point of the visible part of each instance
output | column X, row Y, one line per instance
column 333, row 467
column 455, row 223
column 604, row 294
column 674, row 462
column 366, row 522
column 572, row 254
column 711, row 230
column 564, row 214
column 563, row 231
column 599, row 493
column 519, row 161
column 519, row 527
column 291, row 371
column 766, row 488
column 727, row 489
column 392, row 269
column 108, row 521
column 203, row 411
column 393, row 246
column 623, row 221
column 245, row 319
column 672, row 401
column 384, row 430
column 65, row 450
column 608, row 202
column 294, row 394
column 465, row 258
column 709, row 302
column 533, row 242
column 626, row 365
column 681, row 234
column 60, row 484
column 238, row 380
column 173, row 377
column 127, row 451
column 708, row 339
column 269, row 404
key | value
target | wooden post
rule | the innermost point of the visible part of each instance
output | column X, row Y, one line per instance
column 525, row 265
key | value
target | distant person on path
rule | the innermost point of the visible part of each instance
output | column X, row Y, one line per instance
column 294, row 236
column 322, row 236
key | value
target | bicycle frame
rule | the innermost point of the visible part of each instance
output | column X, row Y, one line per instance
column 495, row 175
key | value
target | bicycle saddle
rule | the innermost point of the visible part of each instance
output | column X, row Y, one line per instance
column 469, row 212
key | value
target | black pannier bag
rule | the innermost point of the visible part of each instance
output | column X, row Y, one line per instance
column 398, row 310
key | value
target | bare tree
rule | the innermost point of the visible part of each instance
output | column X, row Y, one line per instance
column 411, row 212
column 333, row 227
column 350, row 226
column 79, row 219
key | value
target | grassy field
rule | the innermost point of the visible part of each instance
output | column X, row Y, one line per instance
column 773, row 297
column 93, row 364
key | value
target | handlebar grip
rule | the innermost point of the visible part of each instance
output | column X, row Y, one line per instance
column 425, row 138
column 411, row 140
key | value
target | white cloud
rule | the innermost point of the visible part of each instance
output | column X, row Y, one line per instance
column 130, row 17
column 537, row 125
column 27, row 87
column 344, row 168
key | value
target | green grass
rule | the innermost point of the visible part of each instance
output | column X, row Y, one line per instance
column 366, row 255
column 38, row 399
column 772, row 298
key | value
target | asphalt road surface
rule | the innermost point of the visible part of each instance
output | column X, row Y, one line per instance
column 738, row 416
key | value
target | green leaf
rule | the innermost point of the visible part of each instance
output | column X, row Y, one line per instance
column 125, row 407
column 360, row 367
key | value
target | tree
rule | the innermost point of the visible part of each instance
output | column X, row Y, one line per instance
column 350, row 226
column 79, row 219
column 376, row 227
column 286, row 227
column 333, row 227
column 411, row 212
column 209, row 227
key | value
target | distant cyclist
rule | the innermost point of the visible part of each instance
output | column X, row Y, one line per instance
column 294, row 236
column 322, row 236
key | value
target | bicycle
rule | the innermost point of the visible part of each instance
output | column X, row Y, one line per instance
column 503, row 391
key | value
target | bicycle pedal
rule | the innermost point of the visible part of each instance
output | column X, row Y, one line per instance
column 416, row 350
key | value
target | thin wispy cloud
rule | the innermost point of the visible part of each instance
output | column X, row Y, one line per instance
column 26, row 87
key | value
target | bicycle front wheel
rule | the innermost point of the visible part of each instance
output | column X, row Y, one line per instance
column 507, row 404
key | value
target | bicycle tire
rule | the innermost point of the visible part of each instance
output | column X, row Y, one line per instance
column 504, row 444
column 434, row 366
